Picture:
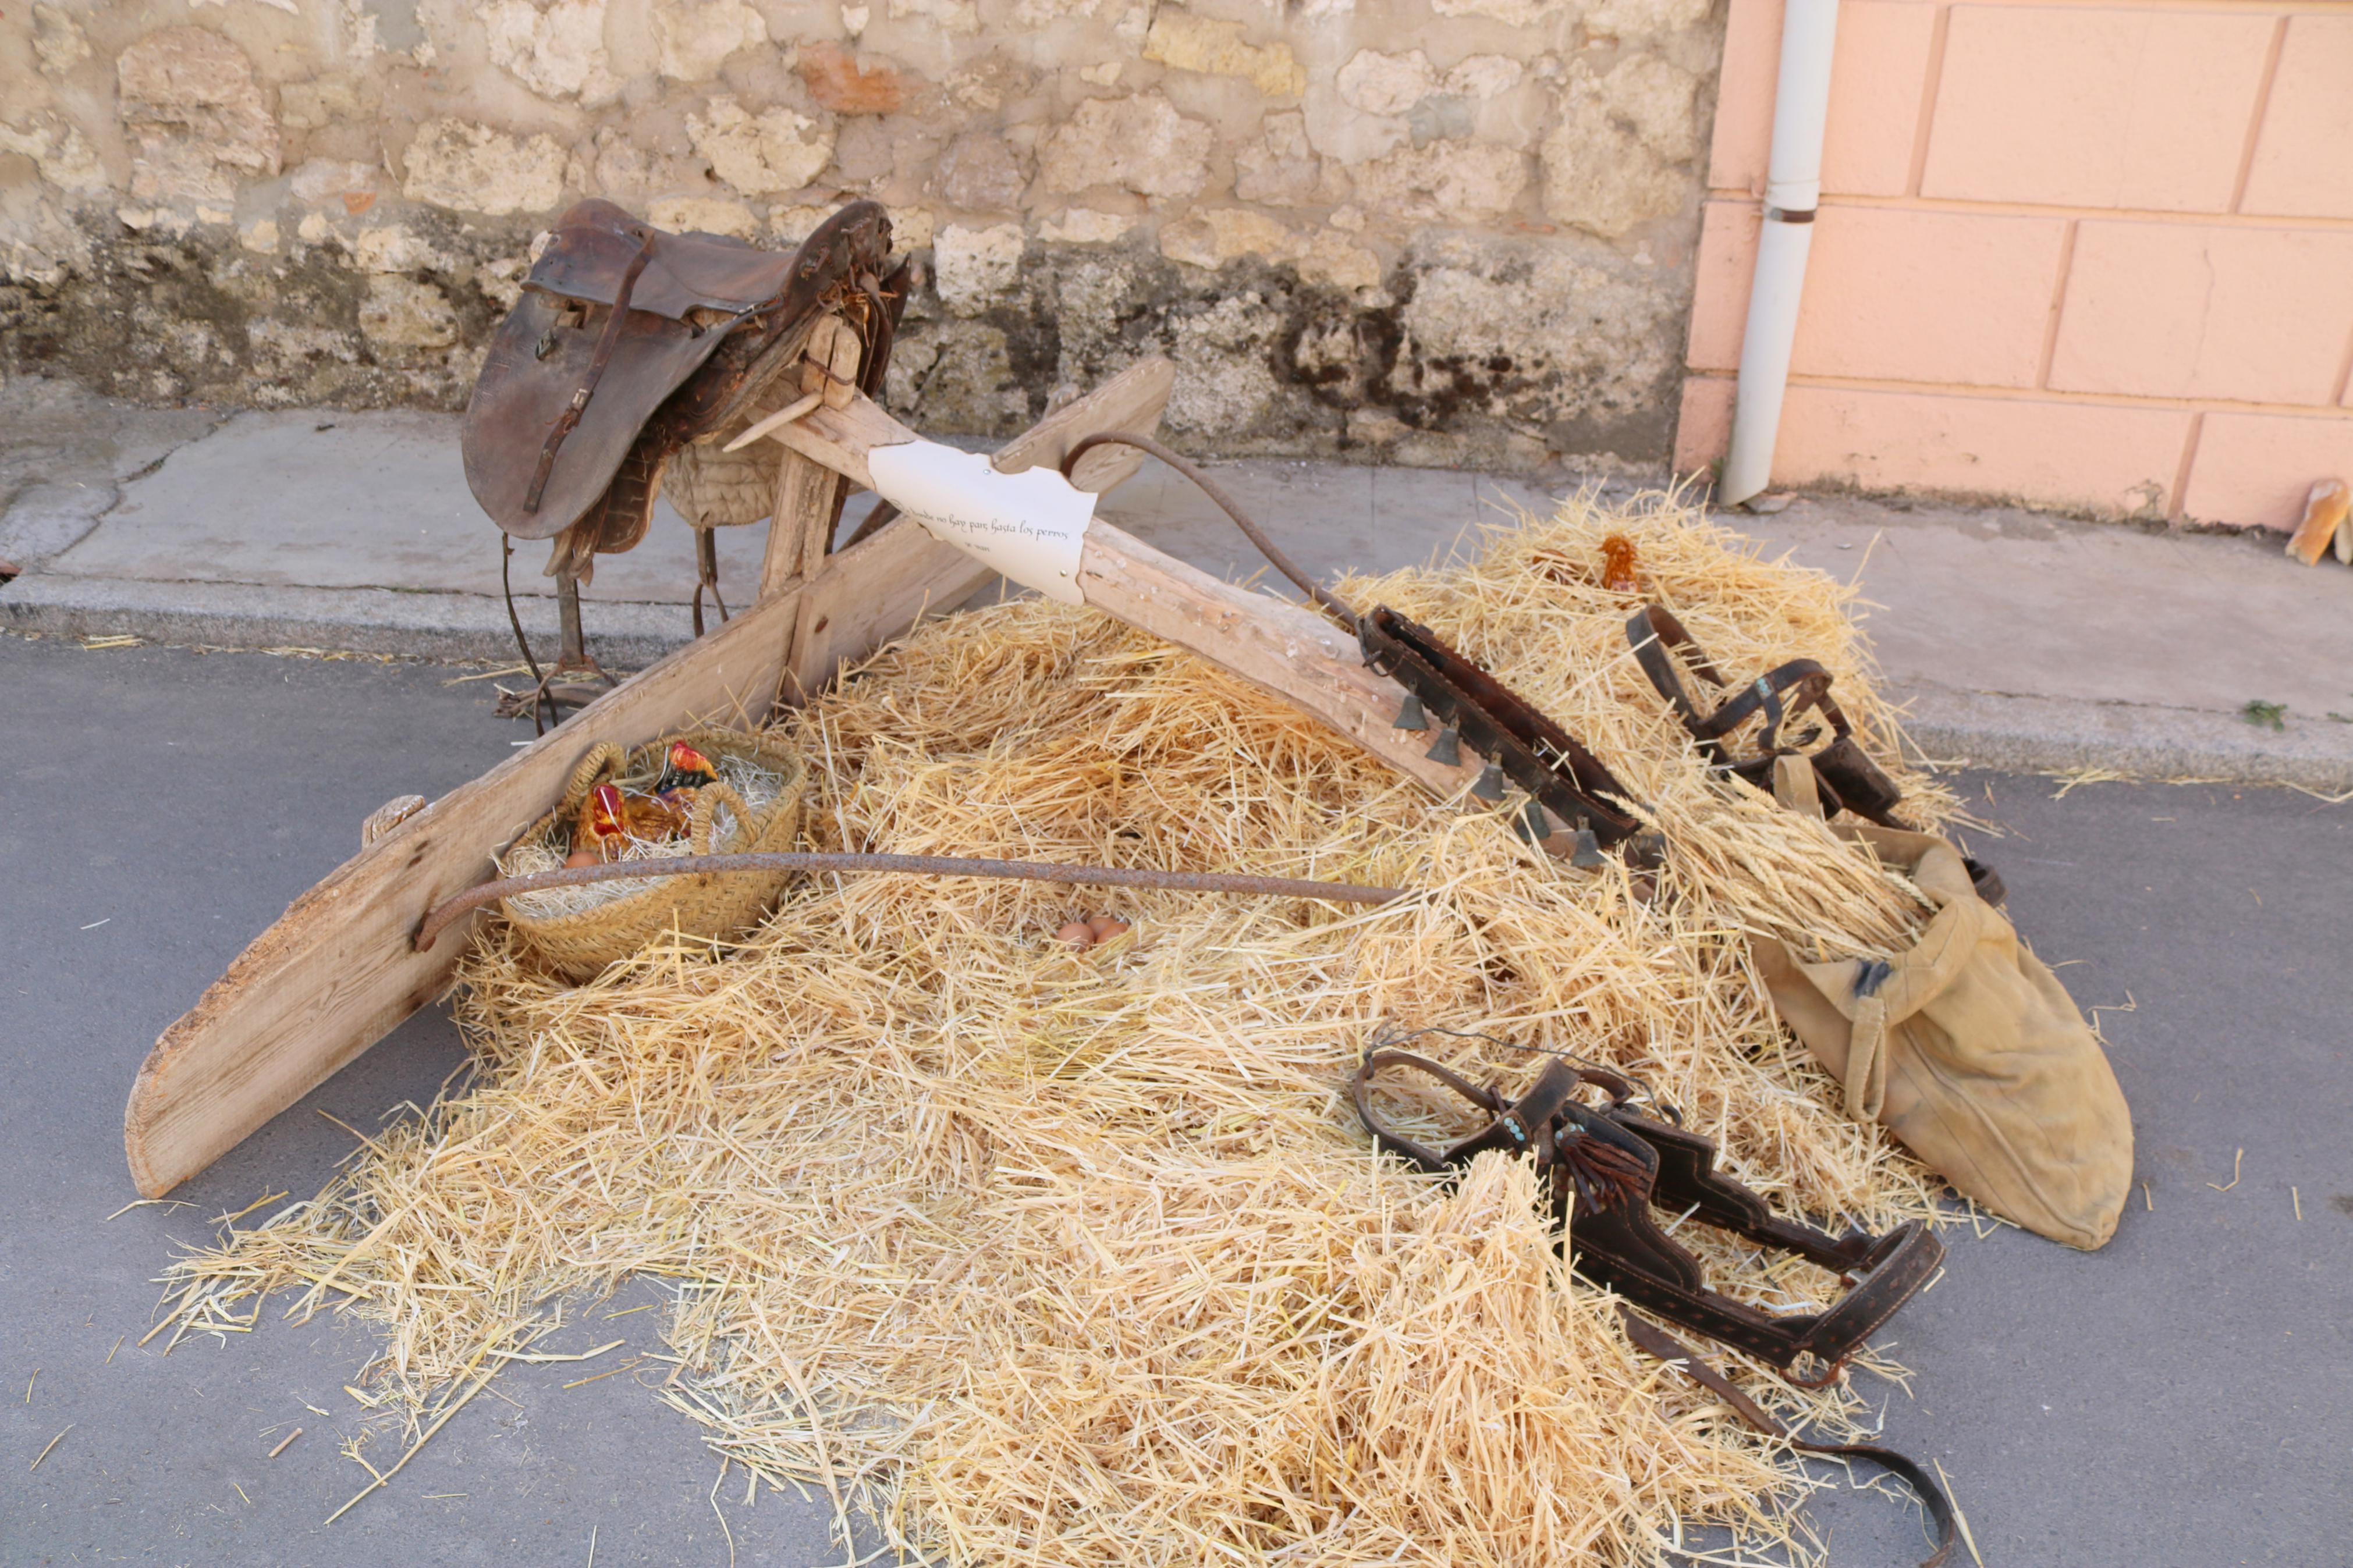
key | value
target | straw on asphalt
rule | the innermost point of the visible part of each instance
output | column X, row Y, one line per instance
column 1032, row 1257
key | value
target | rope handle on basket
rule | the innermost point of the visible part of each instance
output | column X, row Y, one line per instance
column 598, row 764
column 704, row 819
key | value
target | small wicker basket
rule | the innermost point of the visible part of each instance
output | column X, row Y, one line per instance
column 580, row 944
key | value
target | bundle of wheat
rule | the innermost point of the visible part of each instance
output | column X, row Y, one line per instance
column 1041, row 1256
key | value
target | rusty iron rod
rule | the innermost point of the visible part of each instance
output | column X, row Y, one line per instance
column 440, row 917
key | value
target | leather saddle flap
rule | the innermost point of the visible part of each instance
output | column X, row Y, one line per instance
column 541, row 356
column 595, row 241
column 521, row 394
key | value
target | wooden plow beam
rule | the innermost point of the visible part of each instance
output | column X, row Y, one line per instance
column 337, row 972
column 1288, row 650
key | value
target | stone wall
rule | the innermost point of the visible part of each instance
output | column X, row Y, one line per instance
column 1420, row 231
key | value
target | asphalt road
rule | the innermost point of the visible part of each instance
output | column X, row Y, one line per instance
column 2184, row 1398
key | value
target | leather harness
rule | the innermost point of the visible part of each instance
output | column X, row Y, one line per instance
column 1844, row 774
column 1604, row 1168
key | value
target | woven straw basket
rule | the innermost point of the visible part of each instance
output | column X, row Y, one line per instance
column 578, row 945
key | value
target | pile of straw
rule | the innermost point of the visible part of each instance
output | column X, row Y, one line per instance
column 1040, row 1257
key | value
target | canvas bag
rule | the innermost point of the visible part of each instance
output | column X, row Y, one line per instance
column 1970, row 1050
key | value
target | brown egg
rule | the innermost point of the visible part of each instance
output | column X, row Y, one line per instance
column 1106, row 927
column 1079, row 934
column 582, row 856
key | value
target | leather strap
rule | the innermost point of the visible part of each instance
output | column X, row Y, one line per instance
column 1846, row 777
column 1657, row 1341
column 570, row 417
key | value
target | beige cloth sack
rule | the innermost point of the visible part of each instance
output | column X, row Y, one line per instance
column 1970, row 1051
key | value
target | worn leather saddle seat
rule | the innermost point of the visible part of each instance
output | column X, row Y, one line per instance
column 629, row 341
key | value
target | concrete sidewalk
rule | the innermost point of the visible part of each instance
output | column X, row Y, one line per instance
column 2021, row 641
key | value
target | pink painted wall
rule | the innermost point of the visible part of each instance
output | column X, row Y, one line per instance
column 2093, row 254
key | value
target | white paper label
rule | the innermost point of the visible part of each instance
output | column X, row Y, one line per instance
column 1030, row 526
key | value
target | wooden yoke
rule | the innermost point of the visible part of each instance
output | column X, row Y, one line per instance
column 1285, row 649
column 337, row 972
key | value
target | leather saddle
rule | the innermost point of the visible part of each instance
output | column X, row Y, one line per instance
column 629, row 341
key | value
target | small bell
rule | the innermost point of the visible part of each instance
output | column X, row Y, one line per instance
column 1490, row 787
column 1409, row 714
column 1584, row 853
column 1447, row 748
column 1533, row 823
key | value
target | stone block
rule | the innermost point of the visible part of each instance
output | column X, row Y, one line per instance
column 2254, row 470
column 407, row 313
column 189, row 102
column 453, row 163
column 1212, row 236
column 980, row 172
column 837, row 82
column 58, row 149
column 2105, row 459
column 1645, row 21
column 1184, row 41
column 780, row 149
column 2177, row 310
column 1902, row 295
column 2303, row 158
column 1612, row 162
column 1446, row 182
column 1140, row 143
column 2081, row 106
column 693, row 37
column 58, row 41
column 1511, row 13
column 977, row 268
column 1084, row 226
column 1282, row 168
column 557, row 52
column 1386, row 84
column 704, row 214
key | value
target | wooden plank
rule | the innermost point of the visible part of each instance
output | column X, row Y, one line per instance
column 933, row 578
column 1285, row 649
column 808, row 494
column 336, row 973
column 1294, row 654
column 1132, row 401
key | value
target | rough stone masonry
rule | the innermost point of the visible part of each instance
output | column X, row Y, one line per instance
column 1431, row 232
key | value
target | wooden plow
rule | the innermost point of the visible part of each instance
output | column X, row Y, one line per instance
column 341, row 968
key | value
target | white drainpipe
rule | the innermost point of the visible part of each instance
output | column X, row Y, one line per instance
column 1793, row 188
